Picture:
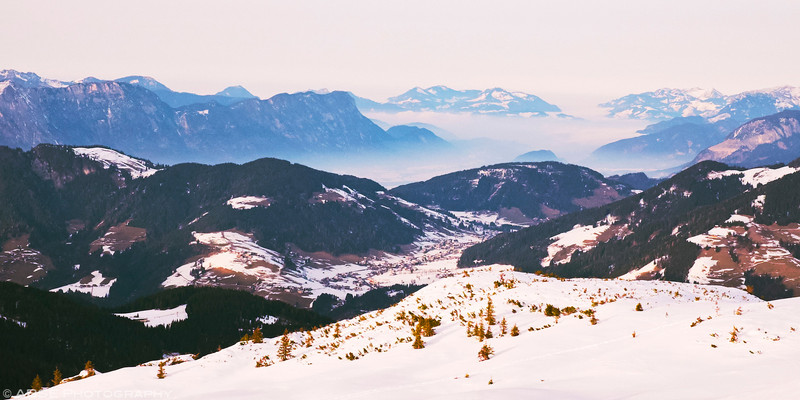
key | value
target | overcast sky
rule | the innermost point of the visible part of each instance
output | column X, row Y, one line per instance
column 556, row 49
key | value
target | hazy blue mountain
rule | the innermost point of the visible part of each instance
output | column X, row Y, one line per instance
column 237, row 92
column 675, row 144
column 413, row 136
column 138, row 121
column 537, row 156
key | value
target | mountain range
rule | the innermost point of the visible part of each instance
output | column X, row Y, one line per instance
column 494, row 101
column 710, row 104
column 140, row 116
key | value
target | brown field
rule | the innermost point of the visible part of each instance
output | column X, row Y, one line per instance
column 119, row 238
column 19, row 263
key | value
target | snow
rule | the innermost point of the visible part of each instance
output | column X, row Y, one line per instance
column 713, row 238
column 153, row 318
column 248, row 202
column 233, row 252
column 484, row 217
column 739, row 218
column 98, row 286
column 565, row 359
column 700, row 270
column 755, row 176
column 268, row 320
column 19, row 323
column 759, row 201
column 581, row 237
column 137, row 168
column 647, row 270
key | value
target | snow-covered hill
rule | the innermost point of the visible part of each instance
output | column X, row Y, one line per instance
column 136, row 167
column 688, row 341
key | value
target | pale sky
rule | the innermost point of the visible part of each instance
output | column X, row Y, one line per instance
column 556, row 49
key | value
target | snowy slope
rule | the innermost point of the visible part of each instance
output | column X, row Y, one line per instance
column 136, row 167
column 680, row 346
column 94, row 284
column 158, row 317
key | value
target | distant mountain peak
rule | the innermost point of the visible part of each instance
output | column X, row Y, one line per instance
column 145, row 82
column 237, row 91
column 440, row 98
column 29, row 79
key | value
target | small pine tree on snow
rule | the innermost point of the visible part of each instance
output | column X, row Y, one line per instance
column 427, row 327
column 309, row 339
column 503, row 326
column 161, row 374
column 257, row 337
column 514, row 330
column 337, row 331
column 36, row 385
column 56, row 377
column 418, row 343
column 490, row 312
column 481, row 333
column 285, row 347
column 485, row 352
column 552, row 311
column 244, row 339
column 639, row 307
column 488, row 334
column 469, row 329
column 89, row 368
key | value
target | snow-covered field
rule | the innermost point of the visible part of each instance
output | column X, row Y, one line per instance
column 688, row 342
column 158, row 317
column 94, row 284
column 137, row 168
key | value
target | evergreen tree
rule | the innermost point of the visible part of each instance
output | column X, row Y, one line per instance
column 503, row 327
column 309, row 339
column 161, row 374
column 485, row 352
column 285, row 347
column 490, row 313
column 639, row 307
column 481, row 333
column 514, row 330
column 89, row 368
column 427, row 327
column 257, row 337
column 337, row 331
column 56, row 377
column 418, row 344
column 37, row 384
